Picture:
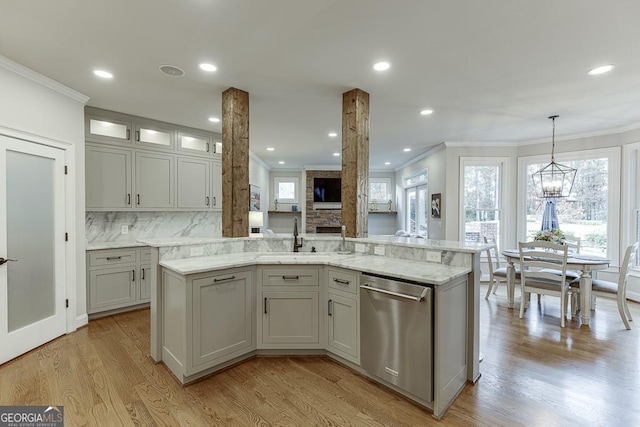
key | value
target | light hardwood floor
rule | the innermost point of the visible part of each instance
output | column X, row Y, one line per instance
column 534, row 373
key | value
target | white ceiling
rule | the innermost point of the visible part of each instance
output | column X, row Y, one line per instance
column 492, row 70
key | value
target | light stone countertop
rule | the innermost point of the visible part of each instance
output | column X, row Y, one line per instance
column 94, row 246
column 424, row 272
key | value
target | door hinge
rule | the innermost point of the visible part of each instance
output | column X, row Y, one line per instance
column 66, row 237
column 66, row 170
column 66, row 302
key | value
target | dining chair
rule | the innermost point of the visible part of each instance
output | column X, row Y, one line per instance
column 606, row 288
column 536, row 256
column 497, row 274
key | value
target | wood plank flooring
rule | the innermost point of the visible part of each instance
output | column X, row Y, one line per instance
column 533, row 373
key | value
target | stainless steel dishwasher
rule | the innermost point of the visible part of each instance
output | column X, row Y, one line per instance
column 396, row 329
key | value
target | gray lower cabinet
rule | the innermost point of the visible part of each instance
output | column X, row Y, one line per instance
column 290, row 317
column 208, row 319
column 343, row 314
column 116, row 279
column 290, row 304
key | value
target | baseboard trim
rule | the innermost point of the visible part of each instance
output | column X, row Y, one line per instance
column 82, row 320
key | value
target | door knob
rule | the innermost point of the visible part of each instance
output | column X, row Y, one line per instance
column 4, row 261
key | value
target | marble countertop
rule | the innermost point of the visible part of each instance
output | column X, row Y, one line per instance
column 94, row 246
column 425, row 272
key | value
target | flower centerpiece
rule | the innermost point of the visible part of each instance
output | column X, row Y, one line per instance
column 553, row 235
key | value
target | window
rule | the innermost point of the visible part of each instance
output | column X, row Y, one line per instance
column 482, row 192
column 380, row 190
column 590, row 212
column 286, row 189
column 417, row 204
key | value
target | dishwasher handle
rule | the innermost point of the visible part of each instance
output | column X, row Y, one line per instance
column 397, row 294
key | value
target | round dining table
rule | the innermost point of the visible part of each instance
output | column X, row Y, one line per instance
column 575, row 261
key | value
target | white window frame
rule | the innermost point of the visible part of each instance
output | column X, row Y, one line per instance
column 416, row 185
column 613, row 200
column 630, row 199
column 389, row 189
column 506, row 221
column 286, row 179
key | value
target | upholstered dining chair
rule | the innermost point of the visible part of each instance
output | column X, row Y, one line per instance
column 605, row 288
column 536, row 256
column 497, row 274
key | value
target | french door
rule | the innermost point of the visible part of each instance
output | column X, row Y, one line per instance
column 32, row 252
column 417, row 210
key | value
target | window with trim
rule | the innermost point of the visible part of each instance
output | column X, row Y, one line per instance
column 286, row 189
column 482, row 191
column 590, row 212
column 417, row 205
column 380, row 190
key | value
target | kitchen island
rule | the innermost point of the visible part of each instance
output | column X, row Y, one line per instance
column 238, row 298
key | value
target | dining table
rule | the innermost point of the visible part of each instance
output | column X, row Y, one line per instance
column 585, row 263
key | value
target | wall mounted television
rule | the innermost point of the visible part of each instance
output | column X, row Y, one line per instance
column 327, row 190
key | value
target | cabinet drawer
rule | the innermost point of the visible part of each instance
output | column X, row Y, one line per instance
column 290, row 276
column 343, row 280
column 145, row 255
column 101, row 258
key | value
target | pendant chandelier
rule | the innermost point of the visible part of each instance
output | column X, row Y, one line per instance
column 555, row 179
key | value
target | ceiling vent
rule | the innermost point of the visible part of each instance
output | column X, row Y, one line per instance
column 171, row 70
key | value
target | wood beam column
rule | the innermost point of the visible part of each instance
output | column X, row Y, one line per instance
column 235, row 163
column 355, row 162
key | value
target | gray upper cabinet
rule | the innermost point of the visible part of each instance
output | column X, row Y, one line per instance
column 195, row 144
column 194, row 183
column 142, row 164
column 154, row 136
column 216, row 185
column 108, row 177
column 155, row 177
column 107, row 129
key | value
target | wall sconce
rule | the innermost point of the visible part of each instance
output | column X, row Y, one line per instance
column 256, row 220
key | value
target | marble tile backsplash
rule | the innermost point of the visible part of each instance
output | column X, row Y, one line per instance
column 107, row 226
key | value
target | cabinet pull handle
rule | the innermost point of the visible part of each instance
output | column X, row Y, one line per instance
column 224, row 279
column 133, row 275
column 137, row 135
column 111, row 258
column 207, row 198
column 128, row 198
column 290, row 277
column 137, row 199
column 265, row 305
column 207, row 147
column 329, row 305
column 214, row 200
column 142, row 274
column 342, row 282
column 128, row 133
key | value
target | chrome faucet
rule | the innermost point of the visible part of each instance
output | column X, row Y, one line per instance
column 296, row 245
column 342, row 233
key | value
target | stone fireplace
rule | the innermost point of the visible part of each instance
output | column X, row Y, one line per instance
column 321, row 220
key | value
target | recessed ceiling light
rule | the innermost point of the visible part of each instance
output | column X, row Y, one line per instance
column 381, row 66
column 336, row 154
column 406, row 149
column 387, row 163
column 214, row 119
column 601, row 69
column 426, row 112
column 208, row 67
column 103, row 74
column 332, row 134
column 270, row 149
column 281, row 162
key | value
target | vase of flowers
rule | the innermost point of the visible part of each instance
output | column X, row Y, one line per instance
column 553, row 235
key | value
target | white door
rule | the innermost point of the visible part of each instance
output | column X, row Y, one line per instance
column 32, row 288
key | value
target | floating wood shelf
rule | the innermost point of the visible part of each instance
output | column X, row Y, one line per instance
column 383, row 212
column 284, row 212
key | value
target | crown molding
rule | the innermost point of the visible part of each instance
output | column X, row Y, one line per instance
column 259, row 160
column 422, row 156
column 42, row 80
